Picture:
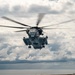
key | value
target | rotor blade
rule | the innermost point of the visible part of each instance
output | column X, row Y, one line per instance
column 59, row 23
column 15, row 21
column 40, row 17
column 21, row 31
column 12, row 27
column 56, row 28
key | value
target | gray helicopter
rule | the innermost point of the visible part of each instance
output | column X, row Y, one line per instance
column 35, row 34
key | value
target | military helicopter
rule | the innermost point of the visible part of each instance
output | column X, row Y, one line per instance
column 35, row 34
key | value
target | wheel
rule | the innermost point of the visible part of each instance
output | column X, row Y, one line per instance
column 43, row 46
column 23, row 37
column 46, row 43
column 29, row 46
column 46, row 36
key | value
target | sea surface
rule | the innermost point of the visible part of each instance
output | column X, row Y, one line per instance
column 35, row 72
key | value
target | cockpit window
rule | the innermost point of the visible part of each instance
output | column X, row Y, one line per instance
column 33, row 33
column 33, row 30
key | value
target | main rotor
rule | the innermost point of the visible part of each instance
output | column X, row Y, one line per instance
column 25, row 27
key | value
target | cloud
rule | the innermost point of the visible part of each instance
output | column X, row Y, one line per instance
column 53, row 7
column 62, row 5
column 20, row 11
column 43, row 9
column 4, row 10
column 38, row 9
column 17, row 10
column 49, row 65
column 53, row 0
column 57, row 51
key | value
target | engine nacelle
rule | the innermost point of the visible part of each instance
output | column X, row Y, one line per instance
column 37, row 43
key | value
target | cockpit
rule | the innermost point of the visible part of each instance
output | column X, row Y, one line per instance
column 33, row 32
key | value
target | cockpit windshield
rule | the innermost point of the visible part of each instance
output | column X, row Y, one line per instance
column 32, row 32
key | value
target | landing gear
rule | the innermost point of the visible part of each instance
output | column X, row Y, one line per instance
column 46, row 40
column 43, row 46
column 29, row 46
column 47, row 37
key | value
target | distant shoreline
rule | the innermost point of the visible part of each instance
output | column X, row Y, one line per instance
column 36, row 72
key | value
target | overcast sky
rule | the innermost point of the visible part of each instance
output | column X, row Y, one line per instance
column 61, row 48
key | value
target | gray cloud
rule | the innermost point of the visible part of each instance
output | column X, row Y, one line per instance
column 16, row 10
column 21, row 11
column 54, row 0
column 43, row 9
column 37, row 65
column 38, row 9
column 4, row 10
column 55, row 46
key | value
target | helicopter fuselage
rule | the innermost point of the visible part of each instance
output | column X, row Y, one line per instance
column 35, row 39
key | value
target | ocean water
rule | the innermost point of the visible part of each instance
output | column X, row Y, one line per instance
column 35, row 72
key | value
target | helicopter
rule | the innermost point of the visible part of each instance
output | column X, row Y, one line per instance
column 35, row 33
